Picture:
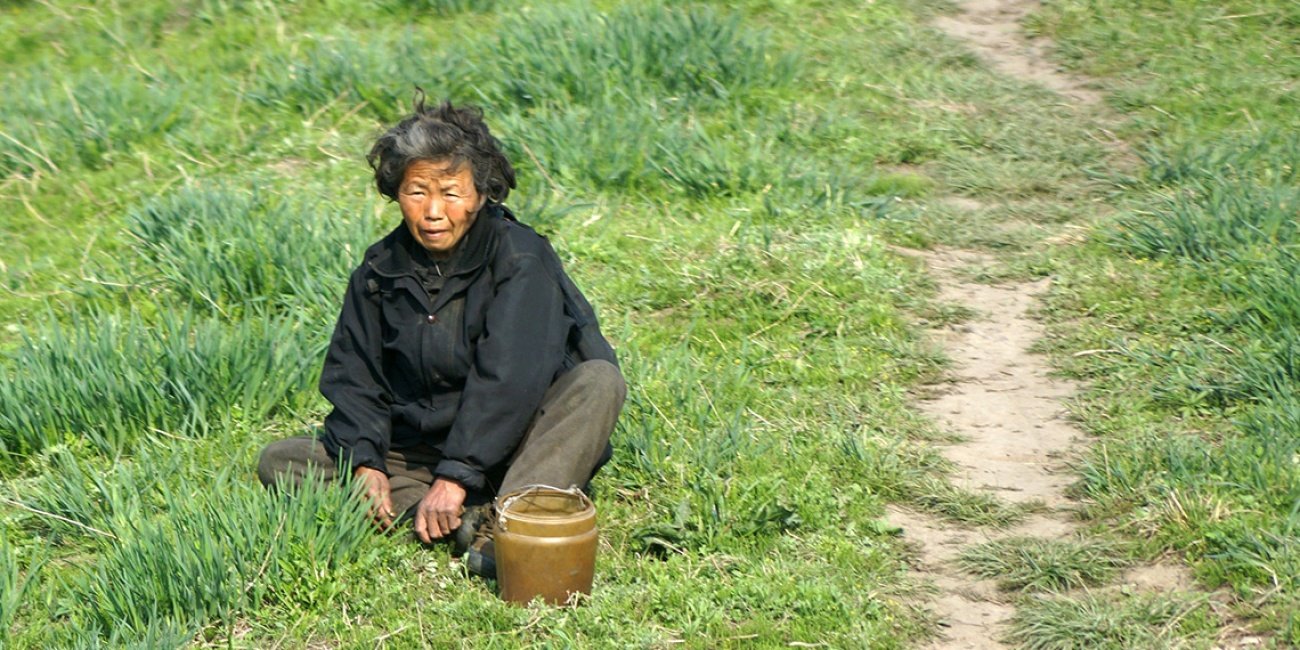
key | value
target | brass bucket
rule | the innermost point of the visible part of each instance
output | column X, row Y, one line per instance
column 545, row 544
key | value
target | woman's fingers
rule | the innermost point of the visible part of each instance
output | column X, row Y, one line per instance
column 439, row 512
column 381, row 510
column 422, row 523
column 437, row 524
column 379, row 495
column 428, row 526
column 384, row 514
column 448, row 522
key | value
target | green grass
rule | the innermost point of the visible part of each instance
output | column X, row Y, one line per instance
column 684, row 55
column 344, row 71
column 1191, row 291
column 16, row 579
column 237, row 547
column 1113, row 621
column 109, row 379
column 1035, row 564
column 1181, row 68
column 724, row 182
column 172, row 294
column 90, row 120
column 235, row 252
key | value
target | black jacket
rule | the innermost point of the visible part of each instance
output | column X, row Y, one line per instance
column 463, row 373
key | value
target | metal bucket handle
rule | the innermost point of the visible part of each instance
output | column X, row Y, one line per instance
column 533, row 489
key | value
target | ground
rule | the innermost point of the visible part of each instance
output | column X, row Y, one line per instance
column 944, row 324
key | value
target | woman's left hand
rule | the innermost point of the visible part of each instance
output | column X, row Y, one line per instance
column 439, row 511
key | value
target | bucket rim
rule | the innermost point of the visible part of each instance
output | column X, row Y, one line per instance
column 504, row 501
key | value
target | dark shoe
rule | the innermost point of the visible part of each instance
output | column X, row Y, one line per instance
column 471, row 521
column 480, row 558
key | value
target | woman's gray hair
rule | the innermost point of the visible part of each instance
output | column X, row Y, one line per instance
column 444, row 132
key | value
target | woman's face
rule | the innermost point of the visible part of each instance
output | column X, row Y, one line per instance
column 439, row 204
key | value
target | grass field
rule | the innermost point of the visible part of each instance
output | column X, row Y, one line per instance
column 185, row 192
column 1191, row 292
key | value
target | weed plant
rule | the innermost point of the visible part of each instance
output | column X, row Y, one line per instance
column 214, row 12
column 158, row 635
column 564, row 56
column 236, row 546
column 639, row 147
column 17, row 576
column 233, row 252
column 109, row 379
column 90, row 495
column 439, row 7
column 377, row 76
column 1108, row 621
column 1034, row 564
column 1207, row 220
column 50, row 122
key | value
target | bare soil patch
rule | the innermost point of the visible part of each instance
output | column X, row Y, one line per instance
column 992, row 29
column 1003, row 403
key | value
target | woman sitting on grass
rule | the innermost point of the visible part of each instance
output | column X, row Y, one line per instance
column 464, row 364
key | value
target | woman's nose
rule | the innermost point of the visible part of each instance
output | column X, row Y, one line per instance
column 434, row 210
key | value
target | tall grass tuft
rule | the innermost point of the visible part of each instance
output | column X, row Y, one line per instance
column 215, row 11
column 96, row 495
column 625, row 145
column 618, row 144
column 233, row 545
column 1268, row 291
column 1268, row 156
column 1102, row 621
column 625, row 100
column 1209, row 222
column 566, row 55
column 17, row 576
column 163, row 634
column 1212, row 201
column 1036, row 564
column 49, row 121
column 111, row 379
column 440, row 7
column 377, row 76
column 236, row 251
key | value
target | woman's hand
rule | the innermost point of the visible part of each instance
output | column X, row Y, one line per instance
column 439, row 511
column 377, row 490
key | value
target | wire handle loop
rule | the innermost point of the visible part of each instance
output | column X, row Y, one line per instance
column 504, row 504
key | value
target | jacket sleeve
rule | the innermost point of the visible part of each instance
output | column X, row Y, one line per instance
column 360, row 427
column 515, row 359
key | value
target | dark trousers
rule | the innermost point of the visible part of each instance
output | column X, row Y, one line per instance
column 562, row 447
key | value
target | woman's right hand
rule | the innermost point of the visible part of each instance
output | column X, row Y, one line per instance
column 378, row 492
column 438, row 514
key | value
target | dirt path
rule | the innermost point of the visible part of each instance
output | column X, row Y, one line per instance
column 1000, row 399
column 1003, row 403
column 992, row 29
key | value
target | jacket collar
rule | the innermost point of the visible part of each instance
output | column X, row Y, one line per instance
column 392, row 256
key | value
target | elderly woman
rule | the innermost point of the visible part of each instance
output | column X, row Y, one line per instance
column 465, row 363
